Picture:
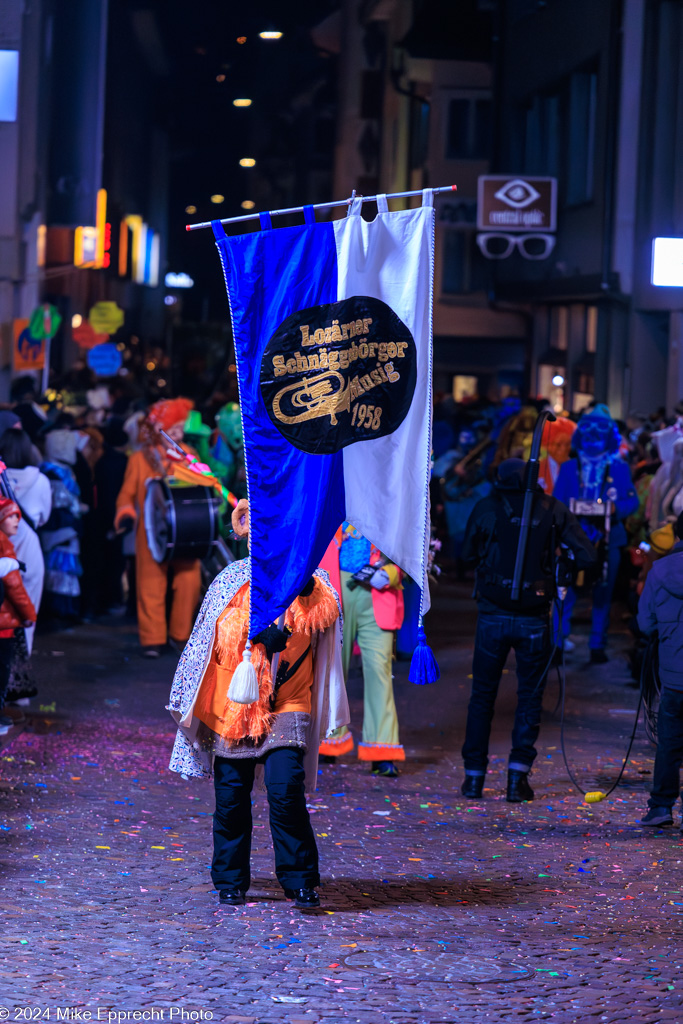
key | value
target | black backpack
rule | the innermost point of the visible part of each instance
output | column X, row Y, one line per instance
column 497, row 566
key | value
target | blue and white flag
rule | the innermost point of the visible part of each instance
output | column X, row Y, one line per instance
column 332, row 325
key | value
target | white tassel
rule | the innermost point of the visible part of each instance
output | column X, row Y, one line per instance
column 244, row 683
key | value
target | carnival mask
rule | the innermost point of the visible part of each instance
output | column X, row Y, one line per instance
column 595, row 436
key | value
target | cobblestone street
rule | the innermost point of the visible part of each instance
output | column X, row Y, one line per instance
column 434, row 909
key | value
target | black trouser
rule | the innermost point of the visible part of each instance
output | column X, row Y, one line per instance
column 296, row 855
column 7, row 645
column 497, row 634
column 666, row 787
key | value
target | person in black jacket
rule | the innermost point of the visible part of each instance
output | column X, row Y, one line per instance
column 660, row 612
column 110, row 470
column 491, row 543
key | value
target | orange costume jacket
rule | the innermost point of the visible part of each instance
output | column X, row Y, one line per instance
column 151, row 578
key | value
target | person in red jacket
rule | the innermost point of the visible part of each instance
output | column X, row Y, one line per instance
column 17, row 609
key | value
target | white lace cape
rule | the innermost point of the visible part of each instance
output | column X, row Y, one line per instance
column 329, row 704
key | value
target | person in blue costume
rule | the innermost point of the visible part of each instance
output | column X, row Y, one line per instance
column 597, row 474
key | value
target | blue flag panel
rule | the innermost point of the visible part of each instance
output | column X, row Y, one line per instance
column 269, row 275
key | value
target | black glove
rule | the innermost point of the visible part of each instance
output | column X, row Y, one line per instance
column 126, row 524
column 307, row 590
column 273, row 639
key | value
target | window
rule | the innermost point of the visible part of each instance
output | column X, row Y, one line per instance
column 371, row 94
column 463, row 266
column 468, row 128
column 592, row 329
column 542, row 136
column 583, row 90
column 419, row 133
column 559, row 327
column 9, row 84
column 559, row 135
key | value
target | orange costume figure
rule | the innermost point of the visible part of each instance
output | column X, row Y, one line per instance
column 556, row 445
column 154, row 462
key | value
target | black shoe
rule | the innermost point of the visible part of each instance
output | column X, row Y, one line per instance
column 304, row 899
column 385, row 768
column 327, row 759
column 658, row 816
column 233, row 896
column 153, row 651
column 519, row 789
column 23, row 693
column 599, row 656
column 472, row 786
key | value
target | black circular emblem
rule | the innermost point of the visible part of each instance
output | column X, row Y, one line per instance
column 339, row 373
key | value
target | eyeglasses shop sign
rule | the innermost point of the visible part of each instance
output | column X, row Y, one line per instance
column 508, row 203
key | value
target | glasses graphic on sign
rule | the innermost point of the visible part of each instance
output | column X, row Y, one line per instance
column 498, row 246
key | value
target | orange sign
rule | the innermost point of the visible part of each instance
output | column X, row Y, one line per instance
column 27, row 352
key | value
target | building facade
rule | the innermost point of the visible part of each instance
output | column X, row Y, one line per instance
column 83, row 171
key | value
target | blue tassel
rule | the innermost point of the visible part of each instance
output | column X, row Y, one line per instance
column 423, row 667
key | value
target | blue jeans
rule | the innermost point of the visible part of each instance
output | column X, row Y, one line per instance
column 666, row 786
column 497, row 634
column 602, row 602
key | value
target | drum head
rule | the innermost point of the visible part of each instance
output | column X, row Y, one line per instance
column 158, row 520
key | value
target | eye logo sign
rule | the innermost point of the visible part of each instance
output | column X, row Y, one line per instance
column 339, row 373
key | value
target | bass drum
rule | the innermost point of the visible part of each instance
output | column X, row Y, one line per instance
column 180, row 522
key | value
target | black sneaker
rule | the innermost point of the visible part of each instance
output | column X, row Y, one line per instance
column 519, row 789
column 387, row 769
column 599, row 656
column 304, row 899
column 153, row 651
column 233, row 896
column 23, row 693
column 473, row 786
column 658, row 816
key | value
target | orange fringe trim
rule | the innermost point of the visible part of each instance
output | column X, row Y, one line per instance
column 332, row 747
column 381, row 752
column 313, row 613
column 307, row 615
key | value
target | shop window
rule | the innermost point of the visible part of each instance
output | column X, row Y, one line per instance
column 559, row 327
column 465, row 387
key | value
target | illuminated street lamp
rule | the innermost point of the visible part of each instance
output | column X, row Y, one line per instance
column 217, row 198
column 247, row 161
column 270, row 35
column 248, row 204
column 190, row 209
column 242, row 103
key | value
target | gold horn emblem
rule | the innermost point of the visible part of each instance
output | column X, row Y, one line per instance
column 316, row 396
